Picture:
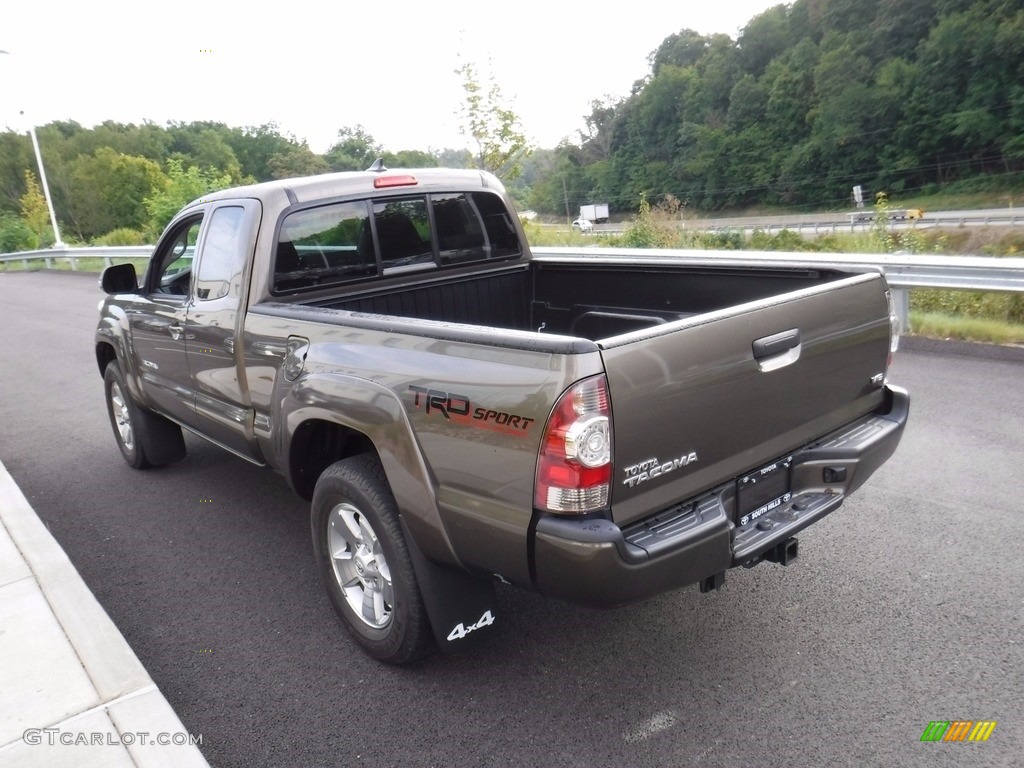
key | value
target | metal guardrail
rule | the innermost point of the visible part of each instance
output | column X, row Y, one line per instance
column 73, row 255
column 903, row 271
column 848, row 225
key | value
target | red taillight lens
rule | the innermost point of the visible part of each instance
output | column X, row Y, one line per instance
column 382, row 182
column 574, row 468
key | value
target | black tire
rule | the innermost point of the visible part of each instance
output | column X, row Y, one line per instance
column 145, row 438
column 369, row 577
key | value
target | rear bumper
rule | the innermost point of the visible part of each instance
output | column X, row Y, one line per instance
column 595, row 562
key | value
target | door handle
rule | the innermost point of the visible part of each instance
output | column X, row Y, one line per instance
column 777, row 351
column 176, row 331
column 776, row 344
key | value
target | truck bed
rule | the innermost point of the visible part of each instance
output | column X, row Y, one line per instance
column 591, row 302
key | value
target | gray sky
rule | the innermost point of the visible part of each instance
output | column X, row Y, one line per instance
column 314, row 67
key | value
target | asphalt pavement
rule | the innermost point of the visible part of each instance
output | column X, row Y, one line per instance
column 903, row 608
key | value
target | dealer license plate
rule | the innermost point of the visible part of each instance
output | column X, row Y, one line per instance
column 762, row 491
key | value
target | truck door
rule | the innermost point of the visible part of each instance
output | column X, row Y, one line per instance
column 222, row 405
column 158, row 322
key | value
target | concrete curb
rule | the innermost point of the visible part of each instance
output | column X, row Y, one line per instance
column 72, row 691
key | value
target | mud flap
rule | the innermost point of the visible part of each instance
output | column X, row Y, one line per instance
column 462, row 608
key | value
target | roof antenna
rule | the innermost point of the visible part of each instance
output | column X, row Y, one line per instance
column 378, row 166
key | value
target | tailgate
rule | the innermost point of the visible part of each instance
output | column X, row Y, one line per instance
column 699, row 402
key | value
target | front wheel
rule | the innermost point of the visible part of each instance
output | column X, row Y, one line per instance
column 364, row 562
column 144, row 438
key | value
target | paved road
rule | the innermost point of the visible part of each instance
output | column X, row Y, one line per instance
column 904, row 607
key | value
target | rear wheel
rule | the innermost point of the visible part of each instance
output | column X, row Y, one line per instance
column 364, row 562
column 145, row 439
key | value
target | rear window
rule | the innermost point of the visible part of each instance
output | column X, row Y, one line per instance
column 352, row 241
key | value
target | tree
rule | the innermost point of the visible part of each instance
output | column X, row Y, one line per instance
column 206, row 145
column 601, row 122
column 34, row 211
column 16, row 235
column 183, row 185
column 15, row 157
column 255, row 146
column 495, row 129
column 106, row 190
column 355, row 150
column 298, row 160
column 764, row 37
column 410, row 158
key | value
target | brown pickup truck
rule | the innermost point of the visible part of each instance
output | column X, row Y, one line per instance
column 460, row 412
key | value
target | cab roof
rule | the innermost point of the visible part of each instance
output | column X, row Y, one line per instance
column 331, row 185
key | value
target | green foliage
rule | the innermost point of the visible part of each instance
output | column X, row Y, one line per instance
column 943, row 326
column 183, row 185
column 15, row 158
column 648, row 229
column 410, row 158
column 205, row 145
column 355, row 150
column 493, row 126
column 121, row 236
column 881, row 230
column 16, row 235
column 257, row 146
column 786, row 240
column 35, row 212
column 295, row 161
column 109, row 191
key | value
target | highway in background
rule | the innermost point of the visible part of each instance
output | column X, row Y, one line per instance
column 904, row 607
column 840, row 222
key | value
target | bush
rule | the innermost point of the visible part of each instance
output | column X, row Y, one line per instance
column 121, row 236
column 786, row 240
column 16, row 235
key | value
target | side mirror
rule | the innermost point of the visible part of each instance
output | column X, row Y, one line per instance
column 120, row 278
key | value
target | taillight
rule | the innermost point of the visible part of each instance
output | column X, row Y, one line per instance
column 574, row 468
column 894, row 329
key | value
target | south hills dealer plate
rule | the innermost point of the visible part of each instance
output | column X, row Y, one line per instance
column 762, row 491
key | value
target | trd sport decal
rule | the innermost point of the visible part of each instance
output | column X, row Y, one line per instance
column 459, row 408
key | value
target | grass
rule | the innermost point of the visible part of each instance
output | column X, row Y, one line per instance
column 64, row 265
column 938, row 326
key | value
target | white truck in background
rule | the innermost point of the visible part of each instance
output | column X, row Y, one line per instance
column 597, row 213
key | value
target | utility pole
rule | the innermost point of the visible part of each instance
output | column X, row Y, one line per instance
column 46, row 187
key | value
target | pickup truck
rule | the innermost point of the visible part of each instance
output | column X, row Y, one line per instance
column 460, row 412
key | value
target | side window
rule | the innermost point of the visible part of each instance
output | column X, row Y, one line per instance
column 172, row 264
column 460, row 237
column 325, row 245
column 403, row 232
column 501, row 233
column 223, row 255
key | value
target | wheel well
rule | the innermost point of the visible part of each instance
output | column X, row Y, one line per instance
column 104, row 354
column 316, row 445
